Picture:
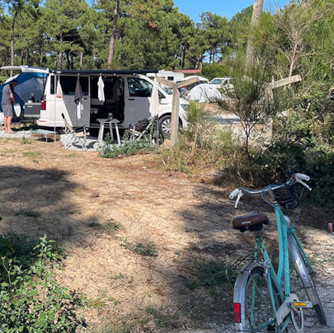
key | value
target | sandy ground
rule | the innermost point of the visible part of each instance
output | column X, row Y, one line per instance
column 186, row 222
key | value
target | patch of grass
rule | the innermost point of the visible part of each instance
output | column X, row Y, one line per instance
column 8, row 151
column 32, row 154
column 212, row 274
column 93, row 302
column 71, row 155
column 117, row 276
column 161, row 316
column 119, row 329
column 148, row 250
column 124, row 329
column 75, row 212
column 110, row 227
column 97, row 302
column 29, row 213
column 26, row 141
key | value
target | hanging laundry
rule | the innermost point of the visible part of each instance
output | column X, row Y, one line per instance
column 100, row 92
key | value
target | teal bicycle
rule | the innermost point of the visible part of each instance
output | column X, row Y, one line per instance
column 263, row 300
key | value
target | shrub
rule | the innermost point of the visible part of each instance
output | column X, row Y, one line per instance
column 31, row 299
column 128, row 147
column 203, row 144
column 249, row 99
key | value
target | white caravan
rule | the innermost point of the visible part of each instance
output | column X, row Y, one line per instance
column 127, row 98
column 168, row 75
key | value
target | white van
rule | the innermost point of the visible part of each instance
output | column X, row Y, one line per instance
column 127, row 98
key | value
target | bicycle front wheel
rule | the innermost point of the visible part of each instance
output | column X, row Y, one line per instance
column 253, row 300
column 304, row 274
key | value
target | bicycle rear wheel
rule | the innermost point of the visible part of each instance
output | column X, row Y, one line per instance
column 253, row 301
column 304, row 274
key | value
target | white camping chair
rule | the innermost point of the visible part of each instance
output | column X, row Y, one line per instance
column 73, row 136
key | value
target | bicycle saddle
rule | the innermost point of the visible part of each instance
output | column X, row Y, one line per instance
column 253, row 221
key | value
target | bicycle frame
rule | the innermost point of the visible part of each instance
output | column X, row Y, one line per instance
column 282, row 276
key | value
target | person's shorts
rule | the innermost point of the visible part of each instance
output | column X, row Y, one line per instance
column 7, row 110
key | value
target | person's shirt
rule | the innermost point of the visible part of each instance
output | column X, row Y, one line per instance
column 7, row 90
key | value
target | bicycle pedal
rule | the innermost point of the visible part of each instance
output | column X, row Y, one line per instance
column 271, row 328
column 302, row 304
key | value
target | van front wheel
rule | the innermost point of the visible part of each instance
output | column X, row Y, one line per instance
column 165, row 125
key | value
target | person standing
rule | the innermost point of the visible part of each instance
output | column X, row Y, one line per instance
column 7, row 102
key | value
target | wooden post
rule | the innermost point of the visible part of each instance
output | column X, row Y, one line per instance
column 280, row 83
column 175, row 105
column 284, row 82
column 175, row 115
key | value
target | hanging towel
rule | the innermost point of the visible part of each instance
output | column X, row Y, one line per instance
column 59, row 92
column 154, row 102
column 100, row 91
column 78, row 98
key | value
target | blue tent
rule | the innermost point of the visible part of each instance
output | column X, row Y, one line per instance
column 29, row 84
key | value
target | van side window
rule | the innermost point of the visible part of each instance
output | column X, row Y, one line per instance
column 68, row 84
column 139, row 87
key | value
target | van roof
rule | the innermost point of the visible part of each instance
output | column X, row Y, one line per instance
column 105, row 72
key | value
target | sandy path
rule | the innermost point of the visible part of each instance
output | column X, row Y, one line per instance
column 187, row 222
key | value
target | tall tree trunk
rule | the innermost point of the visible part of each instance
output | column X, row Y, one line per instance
column 60, row 55
column 257, row 10
column 113, row 34
column 67, row 53
column 41, row 57
column 183, row 57
column 200, row 64
column 12, row 42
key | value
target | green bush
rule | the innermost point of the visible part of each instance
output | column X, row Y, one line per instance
column 31, row 299
column 279, row 157
column 202, row 145
column 128, row 147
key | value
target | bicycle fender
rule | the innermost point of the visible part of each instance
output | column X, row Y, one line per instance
column 302, row 269
column 240, row 286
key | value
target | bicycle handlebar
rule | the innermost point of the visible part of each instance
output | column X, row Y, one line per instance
column 301, row 176
column 234, row 193
column 295, row 178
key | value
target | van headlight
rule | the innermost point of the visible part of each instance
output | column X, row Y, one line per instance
column 185, row 106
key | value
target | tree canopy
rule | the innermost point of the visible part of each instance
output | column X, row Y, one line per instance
column 71, row 34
